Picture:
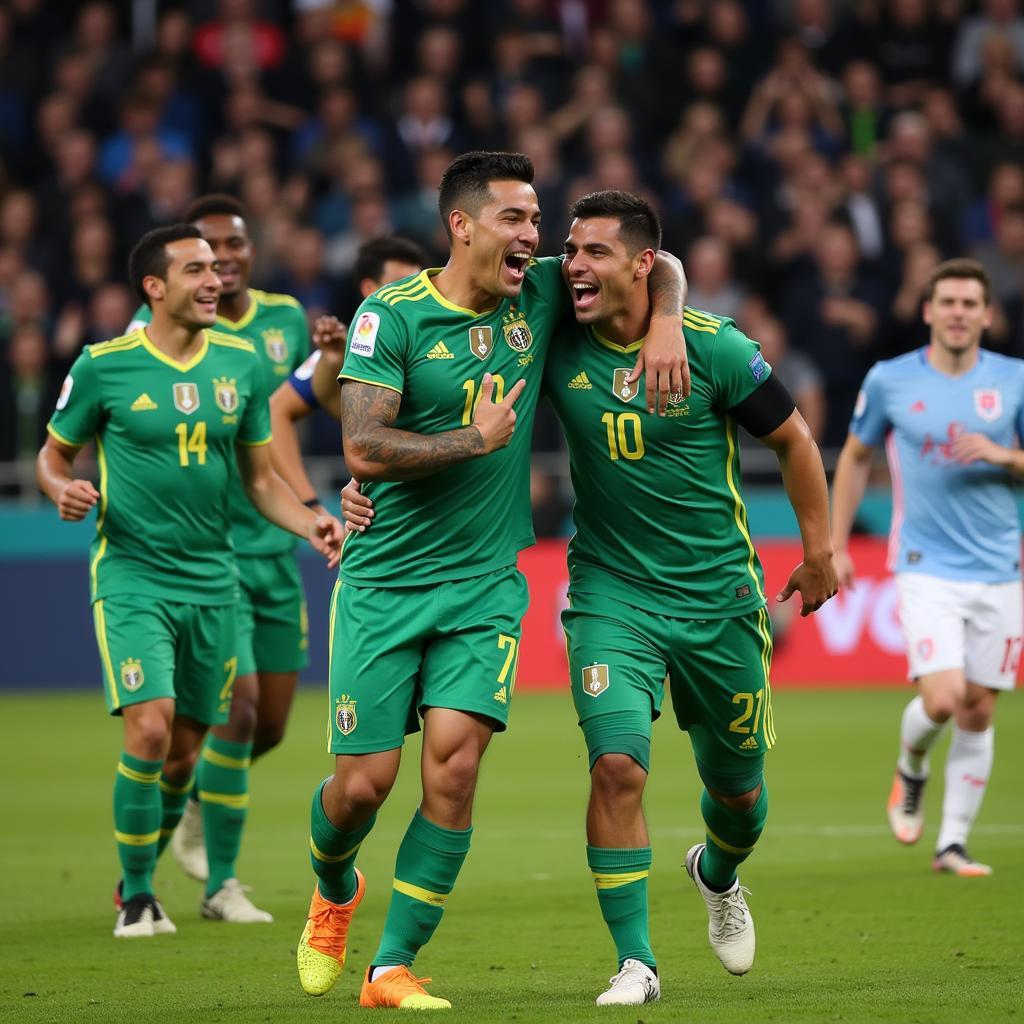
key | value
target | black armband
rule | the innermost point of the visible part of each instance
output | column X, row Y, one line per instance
column 766, row 409
column 311, row 502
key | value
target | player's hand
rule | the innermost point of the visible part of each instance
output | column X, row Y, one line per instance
column 968, row 448
column 326, row 534
column 845, row 570
column 356, row 507
column 816, row 580
column 663, row 362
column 329, row 335
column 76, row 499
column 496, row 421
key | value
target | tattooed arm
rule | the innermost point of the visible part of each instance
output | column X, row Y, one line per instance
column 375, row 450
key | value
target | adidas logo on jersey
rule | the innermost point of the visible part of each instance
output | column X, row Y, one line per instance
column 581, row 382
column 143, row 403
column 440, row 351
column 749, row 744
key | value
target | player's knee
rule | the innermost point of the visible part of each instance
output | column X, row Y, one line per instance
column 363, row 792
column 941, row 706
column 268, row 735
column 149, row 737
column 182, row 767
column 455, row 777
column 617, row 777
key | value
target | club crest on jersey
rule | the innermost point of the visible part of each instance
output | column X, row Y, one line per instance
column 225, row 394
column 621, row 387
column 517, row 332
column 132, row 676
column 481, row 341
column 345, row 714
column 988, row 403
column 277, row 347
column 186, row 398
column 595, row 680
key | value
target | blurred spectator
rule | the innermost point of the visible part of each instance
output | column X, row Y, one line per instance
column 911, row 48
column 709, row 274
column 238, row 27
column 999, row 19
column 304, row 275
column 1003, row 256
column 27, row 393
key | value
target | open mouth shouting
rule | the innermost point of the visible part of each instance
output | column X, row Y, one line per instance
column 584, row 294
column 515, row 264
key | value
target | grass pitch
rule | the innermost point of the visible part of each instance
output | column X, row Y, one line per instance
column 851, row 926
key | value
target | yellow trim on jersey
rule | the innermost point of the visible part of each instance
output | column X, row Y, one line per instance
column 166, row 787
column 373, row 383
column 137, row 840
column 63, row 440
column 603, row 880
column 330, row 644
column 224, row 761
column 740, row 510
column 234, row 800
column 764, row 629
column 723, row 845
column 614, row 345
column 275, row 298
column 435, row 899
column 123, row 344
column 230, row 341
column 101, row 458
column 255, row 444
column 698, row 326
column 701, row 317
column 101, row 641
column 426, row 275
column 389, row 291
column 146, row 778
column 173, row 363
column 330, row 858
column 247, row 317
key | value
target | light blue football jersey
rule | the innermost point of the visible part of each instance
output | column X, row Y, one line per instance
column 950, row 520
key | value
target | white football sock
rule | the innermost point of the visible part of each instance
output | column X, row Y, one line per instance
column 378, row 971
column 968, row 767
column 918, row 734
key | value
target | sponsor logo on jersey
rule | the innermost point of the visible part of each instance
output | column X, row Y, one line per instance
column 143, row 403
column 517, row 331
column 65, row 392
column 621, row 387
column 440, row 351
column 345, row 714
column 132, row 676
column 988, row 403
column 364, row 337
column 186, row 398
column 677, row 404
column 276, row 346
column 595, row 680
column 581, row 382
column 743, row 591
column 481, row 341
column 749, row 744
column 758, row 367
column 225, row 394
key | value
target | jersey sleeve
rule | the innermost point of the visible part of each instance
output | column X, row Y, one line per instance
column 140, row 318
column 376, row 348
column 870, row 421
column 737, row 367
column 254, row 428
column 546, row 272
column 301, row 381
column 79, row 413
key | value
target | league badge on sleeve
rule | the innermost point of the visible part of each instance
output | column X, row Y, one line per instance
column 988, row 403
column 65, row 392
column 758, row 367
column 364, row 337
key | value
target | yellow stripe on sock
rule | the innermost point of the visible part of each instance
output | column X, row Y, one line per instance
column 166, row 787
column 723, row 845
column 147, row 778
column 605, row 881
column 330, row 858
column 437, row 899
column 235, row 800
column 223, row 761
column 129, row 840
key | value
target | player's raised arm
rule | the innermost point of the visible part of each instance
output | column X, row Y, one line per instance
column 287, row 407
column 375, row 450
column 73, row 498
column 848, row 487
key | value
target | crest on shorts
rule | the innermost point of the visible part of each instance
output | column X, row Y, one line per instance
column 132, row 676
column 988, row 403
column 595, row 680
column 621, row 387
column 276, row 346
column 926, row 648
column 517, row 332
column 481, row 341
column 186, row 398
column 345, row 714
column 225, row 394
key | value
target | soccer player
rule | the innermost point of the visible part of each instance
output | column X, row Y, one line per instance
column 951, row 416
column 665, row 581
column 440, row 383
column 172, row 407
column 272, row 623
column 379, row 262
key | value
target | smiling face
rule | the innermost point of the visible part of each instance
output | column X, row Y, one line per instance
column 232, row 248
column 189, row 293
column 957, row 314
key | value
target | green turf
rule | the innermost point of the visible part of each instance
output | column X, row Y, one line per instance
column 851, row 926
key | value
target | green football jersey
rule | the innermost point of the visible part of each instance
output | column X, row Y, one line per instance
column 277, row 327
column 660, row 522
column 165, row 437
column 472, row 518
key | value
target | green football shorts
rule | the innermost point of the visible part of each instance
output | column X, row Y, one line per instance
column 167, row 649
column 395, row 651
column 620, row 658
column 273, row 625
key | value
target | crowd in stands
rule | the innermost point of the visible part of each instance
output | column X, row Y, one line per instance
column 812, row 160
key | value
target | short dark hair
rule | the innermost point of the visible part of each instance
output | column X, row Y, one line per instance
column 372, row 256
column 149, row 257
column 639, row 226
column 464, row 184
column 212, row 205
column 961, row 269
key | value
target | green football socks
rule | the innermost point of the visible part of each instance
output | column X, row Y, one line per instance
column 620, row 877
column 174, row 799
column 137, row 822
column 731, row 837
column 223, row 780
column 428, row 863
column 332, row 851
